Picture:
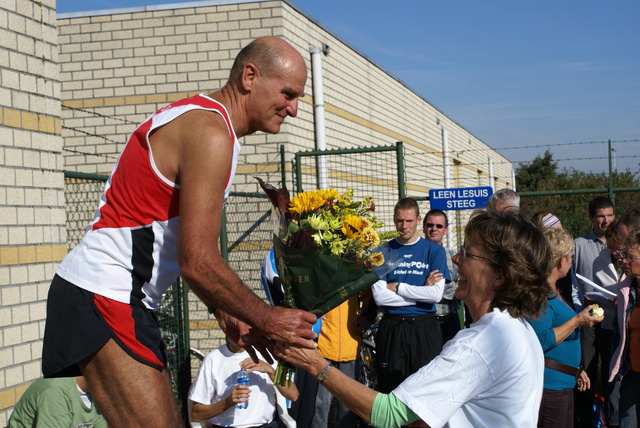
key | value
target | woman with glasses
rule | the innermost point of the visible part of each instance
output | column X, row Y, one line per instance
column 608, row 272
column 557, row 330
column 490, row 374
column 625, row 363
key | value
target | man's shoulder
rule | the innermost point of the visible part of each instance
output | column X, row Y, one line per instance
column 587, row 237
column 434, row 248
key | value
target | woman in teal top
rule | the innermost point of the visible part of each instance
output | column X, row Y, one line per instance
column 557, row 330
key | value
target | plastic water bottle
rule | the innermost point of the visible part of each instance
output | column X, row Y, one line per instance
column 243, row 379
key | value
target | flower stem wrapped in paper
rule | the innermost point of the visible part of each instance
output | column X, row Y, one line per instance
column 326, row 250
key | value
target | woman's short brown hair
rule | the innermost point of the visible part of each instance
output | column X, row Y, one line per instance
column 518, row 251
column 632, row 239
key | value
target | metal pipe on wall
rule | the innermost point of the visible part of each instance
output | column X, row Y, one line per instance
column 449, row 237
column 318, row 111
column 446, row 157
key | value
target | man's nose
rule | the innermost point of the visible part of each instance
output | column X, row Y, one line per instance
column 292, row 108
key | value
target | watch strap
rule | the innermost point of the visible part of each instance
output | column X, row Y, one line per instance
column 323, row 373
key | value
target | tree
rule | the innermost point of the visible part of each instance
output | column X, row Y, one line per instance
column 541, row 175
column 540, row 169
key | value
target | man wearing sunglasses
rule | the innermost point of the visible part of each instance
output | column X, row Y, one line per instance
column 436, row 227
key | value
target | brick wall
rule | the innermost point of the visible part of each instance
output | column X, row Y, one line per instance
column 32, row 217
column 119, row 67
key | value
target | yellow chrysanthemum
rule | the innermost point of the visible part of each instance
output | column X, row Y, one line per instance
column 370, row 237
column 352, row 226
column 328, row 194
column 305, row 202
column 377, row 259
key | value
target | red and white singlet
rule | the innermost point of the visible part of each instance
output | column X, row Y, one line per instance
column 130, row 248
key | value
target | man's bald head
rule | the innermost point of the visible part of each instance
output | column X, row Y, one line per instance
column 269, row 54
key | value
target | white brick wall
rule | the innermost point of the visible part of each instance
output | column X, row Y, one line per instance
column 32, row 230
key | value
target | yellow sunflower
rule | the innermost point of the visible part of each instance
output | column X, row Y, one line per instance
column 352, row 226
column 328, row 194
column 305, row 202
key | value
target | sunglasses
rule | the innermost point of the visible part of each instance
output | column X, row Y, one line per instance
column 430, row 225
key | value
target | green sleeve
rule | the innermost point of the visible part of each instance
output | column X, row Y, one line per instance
column 388, row 411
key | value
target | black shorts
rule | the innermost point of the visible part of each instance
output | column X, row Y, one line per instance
column 79, row 323
column 403, row 346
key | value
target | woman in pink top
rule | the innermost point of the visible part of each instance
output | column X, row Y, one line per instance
column 625, row 363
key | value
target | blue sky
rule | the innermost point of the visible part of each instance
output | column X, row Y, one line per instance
column 522, row 76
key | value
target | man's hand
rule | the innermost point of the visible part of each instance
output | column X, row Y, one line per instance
column 434, row 277
column 392, row 286
column 285, row 325
column 239, row 394
column 242, row 334
column 291, row 326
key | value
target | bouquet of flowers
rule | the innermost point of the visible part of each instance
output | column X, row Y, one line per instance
column 327, row 250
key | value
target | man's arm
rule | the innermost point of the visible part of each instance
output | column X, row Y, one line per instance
column 385, row 297
column 200, row 412
column 436, row 260
column 200, row 149
column 424, row 293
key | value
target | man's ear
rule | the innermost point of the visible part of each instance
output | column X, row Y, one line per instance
column 249, row 74
column 498, row 282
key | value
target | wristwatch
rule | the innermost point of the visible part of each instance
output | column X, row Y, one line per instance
column 323, row 373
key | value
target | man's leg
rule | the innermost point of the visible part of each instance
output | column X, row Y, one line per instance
column 127, row 392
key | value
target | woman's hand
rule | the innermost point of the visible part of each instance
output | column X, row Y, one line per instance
column 309, row 360
column 586, row 320
column 583, row 381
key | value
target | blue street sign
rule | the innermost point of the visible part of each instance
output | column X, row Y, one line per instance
column 461, row 198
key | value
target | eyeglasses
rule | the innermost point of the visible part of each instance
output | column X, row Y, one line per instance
column 467, row 255
column 627, row 256
column 618, row 254
column 430, row 225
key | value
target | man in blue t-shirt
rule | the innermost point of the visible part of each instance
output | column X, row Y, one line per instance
column 409, row 335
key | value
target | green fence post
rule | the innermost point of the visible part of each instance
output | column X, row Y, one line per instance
column 612, row 196
column 283, row 168
column 298, row 173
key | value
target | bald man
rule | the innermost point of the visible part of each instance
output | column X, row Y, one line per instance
column 159, row 218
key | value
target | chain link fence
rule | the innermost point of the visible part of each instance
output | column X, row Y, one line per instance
column 375, row 171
